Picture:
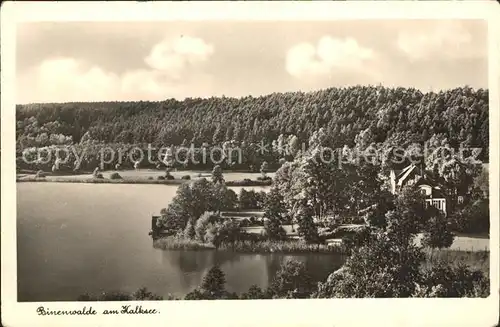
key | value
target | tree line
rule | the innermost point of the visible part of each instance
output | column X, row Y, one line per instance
column 377, row 114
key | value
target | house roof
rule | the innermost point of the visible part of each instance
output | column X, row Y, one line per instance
column 405, row 173
column 425, row 176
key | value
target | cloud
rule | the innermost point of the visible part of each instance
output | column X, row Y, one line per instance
column 175, row 55
column 329, row 54
column 174, row 69
column 68, row 78
column 448, row 38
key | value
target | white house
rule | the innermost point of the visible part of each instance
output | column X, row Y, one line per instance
column 414, row 175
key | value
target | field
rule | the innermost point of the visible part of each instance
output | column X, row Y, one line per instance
column 145, row 176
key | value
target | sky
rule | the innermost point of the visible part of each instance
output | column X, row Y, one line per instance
column 129, row 61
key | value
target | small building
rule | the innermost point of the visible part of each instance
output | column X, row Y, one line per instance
column 429, row 185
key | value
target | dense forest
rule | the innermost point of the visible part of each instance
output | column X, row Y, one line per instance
column 399, row 116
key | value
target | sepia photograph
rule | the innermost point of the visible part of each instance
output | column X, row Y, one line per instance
column 244, row 159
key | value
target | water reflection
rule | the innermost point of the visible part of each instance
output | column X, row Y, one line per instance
column 67, row 247
column 242, row 270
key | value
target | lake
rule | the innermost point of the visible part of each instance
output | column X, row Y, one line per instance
column 89, row 238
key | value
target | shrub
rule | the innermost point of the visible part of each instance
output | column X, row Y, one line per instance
column 443, row 280
column 115, row 296
column 251, row 199
column 143, row 294
column 436, row 232
column 99, row 175
column 472, row 218
column 264, row 178
column 227, row 232
column 202, row 225
column 160, row 177
column 254, row 293
column 150, row 178
column 382, row 268
column 186, row 177
column 357, row 238
column 189, row 231
column 115, row 175
column 273, row 230
column 292, row 281
column 169, row 177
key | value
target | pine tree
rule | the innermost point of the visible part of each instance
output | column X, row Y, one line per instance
column 214, row 282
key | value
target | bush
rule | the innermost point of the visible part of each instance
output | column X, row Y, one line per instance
column 273, row 230
column 380, row 269
column 115, row 175
column 160, row 177
column 141, row 294
column 251, row 199
column 357, row 238
column 202, row 225
column 264, row 178
column 472, row 218
column 254, row 293
column 292, row 281
column 437, row 233
column 443, row 280
column 227, row 232
column 186, row 177
column 150, row 178
column 169, row 177
column 99, row 175
column 189, row 231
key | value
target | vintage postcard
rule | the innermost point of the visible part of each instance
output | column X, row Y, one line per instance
column 250, row 163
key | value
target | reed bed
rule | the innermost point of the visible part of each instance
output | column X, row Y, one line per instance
column 476, row 260
column 289, row 247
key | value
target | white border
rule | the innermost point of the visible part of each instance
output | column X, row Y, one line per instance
column 313, row 312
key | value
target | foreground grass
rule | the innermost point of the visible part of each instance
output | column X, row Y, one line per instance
column 289, row 247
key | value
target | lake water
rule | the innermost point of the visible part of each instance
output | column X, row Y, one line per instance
column 79, row 238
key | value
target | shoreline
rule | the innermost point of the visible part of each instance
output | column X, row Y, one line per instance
column 126, row 180
column 248, row 247
column 479, row 259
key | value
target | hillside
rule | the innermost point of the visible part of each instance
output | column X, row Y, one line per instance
column 397, row 114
